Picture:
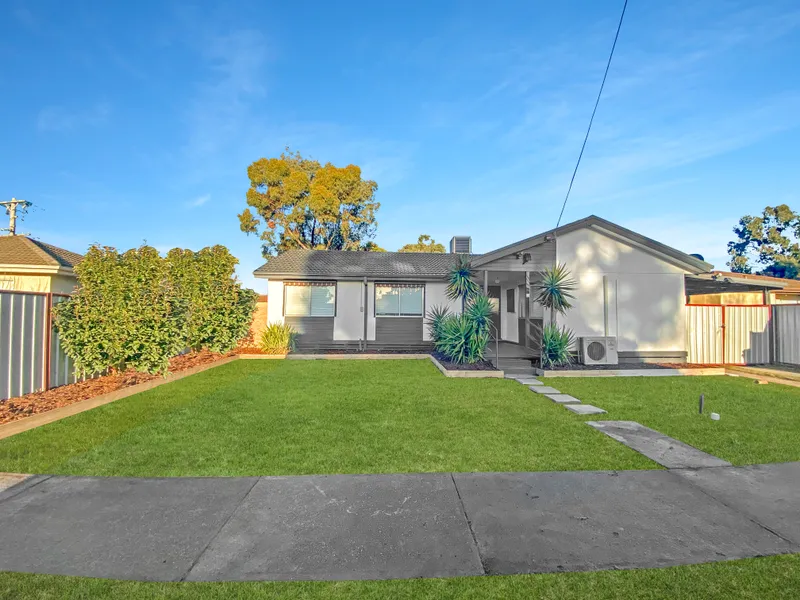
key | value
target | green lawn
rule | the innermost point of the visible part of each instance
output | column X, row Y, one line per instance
column 754, row 579
column 759, row 423
column 317, row 417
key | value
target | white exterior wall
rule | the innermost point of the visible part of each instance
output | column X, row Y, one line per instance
column 651, row 300
column 348, row 324
column 436, row 295
column 275, row 301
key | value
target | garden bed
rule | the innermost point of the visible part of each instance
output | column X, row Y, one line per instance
column 13, row 409
column 483, row 365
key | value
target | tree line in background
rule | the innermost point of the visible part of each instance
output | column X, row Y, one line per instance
column 137, row 309
column 771, row 240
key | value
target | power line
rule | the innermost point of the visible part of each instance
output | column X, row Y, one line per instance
column 597, row 102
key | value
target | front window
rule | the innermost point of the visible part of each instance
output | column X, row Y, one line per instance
column 399, row 300
column 306, row 299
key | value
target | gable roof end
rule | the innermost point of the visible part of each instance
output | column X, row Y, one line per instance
column 667, row 253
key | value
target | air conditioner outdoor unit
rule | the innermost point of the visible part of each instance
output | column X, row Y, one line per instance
column 599, row 350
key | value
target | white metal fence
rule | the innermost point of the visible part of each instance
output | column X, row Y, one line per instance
column 31, row 356
column 787, row 333
column 725, row 334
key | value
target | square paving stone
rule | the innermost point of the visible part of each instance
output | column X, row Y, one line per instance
column 344, row 527
column 543, row 389
column 115, row 527
column 528, row 380
column 768, row 493
column 563, row 399
column 584, row 409
column 544, row 522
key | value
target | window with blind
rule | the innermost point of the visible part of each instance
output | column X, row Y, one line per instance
column 399, row 300
column 309, row 299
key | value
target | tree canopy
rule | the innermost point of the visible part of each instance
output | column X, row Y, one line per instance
column 295, row 202
column 425, row 243
column 771, row 240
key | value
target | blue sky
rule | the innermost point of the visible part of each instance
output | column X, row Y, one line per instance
column 126, row 122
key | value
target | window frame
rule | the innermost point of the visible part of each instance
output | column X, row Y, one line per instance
column 300, row 283
column 398, row 284
column 511, row 307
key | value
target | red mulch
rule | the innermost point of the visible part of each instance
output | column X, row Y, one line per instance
column 13, row 409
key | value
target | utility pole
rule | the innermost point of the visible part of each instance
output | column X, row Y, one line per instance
column 11, row 211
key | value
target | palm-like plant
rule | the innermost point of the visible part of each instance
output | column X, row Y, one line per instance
column 556, row 344
column 554, row 290
column 434, row 319
column 461, row 284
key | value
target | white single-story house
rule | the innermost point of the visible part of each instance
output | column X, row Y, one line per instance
column 628, row 286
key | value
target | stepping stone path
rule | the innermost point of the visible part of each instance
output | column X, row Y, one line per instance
column 666, row 451
column 584, row 409
column 528, row 381
column 563, row 399
column 543, row 389
column 569, row 402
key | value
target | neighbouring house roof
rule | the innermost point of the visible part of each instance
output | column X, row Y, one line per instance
column 19, row 250
column 788, row 285
column 334, row 263
column 339, row 263
column 667, row 253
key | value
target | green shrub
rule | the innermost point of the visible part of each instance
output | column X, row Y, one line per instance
column 278, row 338
column 436, row 315
column 218, row 309
column 463, row 338
column 556, row 344
column 136, row 310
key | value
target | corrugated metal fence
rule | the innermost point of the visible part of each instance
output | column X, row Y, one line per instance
column 727, row 334
column 31, row 356
column 787, row 329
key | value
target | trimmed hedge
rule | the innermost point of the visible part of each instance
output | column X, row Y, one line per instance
column 136, row 310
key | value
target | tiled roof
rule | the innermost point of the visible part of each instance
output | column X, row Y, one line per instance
column 21, row 250
column 338, row 263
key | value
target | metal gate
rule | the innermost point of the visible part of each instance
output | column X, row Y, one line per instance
column 729, row 334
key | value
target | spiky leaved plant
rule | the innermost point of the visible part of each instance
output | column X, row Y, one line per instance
column 556, row 344
column 278, row 338
column 436, row 315
column 554, row 290
column 479, row 311
column 463, row 338
column 461, row 284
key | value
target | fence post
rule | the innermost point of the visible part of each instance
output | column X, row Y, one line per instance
column 48, row 338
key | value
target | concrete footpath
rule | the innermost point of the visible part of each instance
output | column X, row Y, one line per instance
column 396, row 526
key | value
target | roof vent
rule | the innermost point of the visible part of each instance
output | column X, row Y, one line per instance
column 461, row 244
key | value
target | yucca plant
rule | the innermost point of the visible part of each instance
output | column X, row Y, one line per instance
column 556, row 344
column 463, row 338
column 461, row 284
column 436, row 315
column 278, row 338
column 554, row 290
column 479, row 311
